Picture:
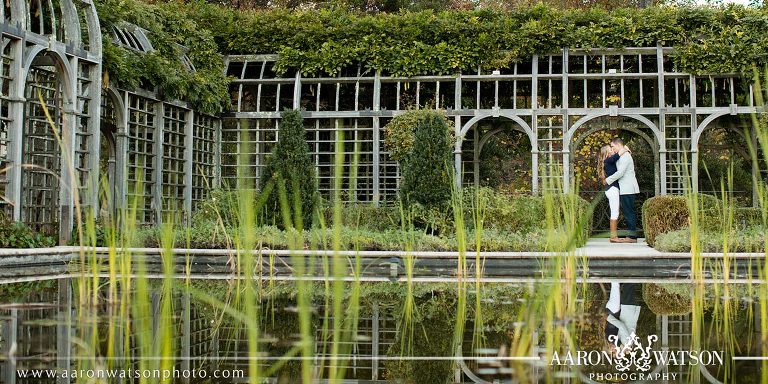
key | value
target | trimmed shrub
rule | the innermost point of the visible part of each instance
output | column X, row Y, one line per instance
column 426, row 171
column 290, row 166
column 663, row 214
column 399, row 133
column 662, row 301
column 751, row 239
column 743, row 218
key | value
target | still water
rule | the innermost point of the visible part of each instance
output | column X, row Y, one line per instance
column 54, row 331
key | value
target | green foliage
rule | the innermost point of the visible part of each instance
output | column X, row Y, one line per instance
column 222, row 205
column 367, row 216
column 522, row 214
column 663, row 302
column 426, row 170
column 290, row 167
column 162, row 70
column 750, row 239
column 707, row 39
column 19, row 235
column 400, row 132
column 210, row 235
column 664, row 214
column 21, row 292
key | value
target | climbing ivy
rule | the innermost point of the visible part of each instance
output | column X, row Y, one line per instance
column 728, row 39
column 162, row 70
column 708, row 39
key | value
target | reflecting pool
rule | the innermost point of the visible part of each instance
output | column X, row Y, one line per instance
column 227, row 331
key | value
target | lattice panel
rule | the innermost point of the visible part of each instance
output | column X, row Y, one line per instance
column 173, row 160
column 42, row 152
column 203, row 157
column 82, row 133
column 389, row 171
column 550, row 143
column 141, row 156
column 357, row 181
column 678, row 164
column 5, row 124
column 245, row 145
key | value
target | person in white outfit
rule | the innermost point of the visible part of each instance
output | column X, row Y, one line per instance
column 628, row 187
column 623, row 313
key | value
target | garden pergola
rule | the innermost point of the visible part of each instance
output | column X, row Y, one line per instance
column 162, row 156
column 555, row 100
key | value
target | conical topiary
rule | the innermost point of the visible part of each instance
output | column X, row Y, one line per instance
column 290, row 164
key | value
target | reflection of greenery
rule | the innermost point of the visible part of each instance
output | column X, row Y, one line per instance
column 430, row 336
column 20, row 292
column 664, row 302
column 281, row 327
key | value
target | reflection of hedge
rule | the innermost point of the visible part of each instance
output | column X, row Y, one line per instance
column 662, row 301
column 281, row 327
column 432, row 336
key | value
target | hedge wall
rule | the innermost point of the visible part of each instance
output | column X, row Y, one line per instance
column 707, row 40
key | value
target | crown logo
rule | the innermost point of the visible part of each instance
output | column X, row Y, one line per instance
column 631, row 353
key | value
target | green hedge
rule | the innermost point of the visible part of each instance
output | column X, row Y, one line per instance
column 663, row 214
column 751, row 239
column 667, row 213
column 212, row 236
column 707, row 39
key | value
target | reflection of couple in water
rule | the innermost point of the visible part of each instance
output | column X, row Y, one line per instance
column 617, row 172
column 623, row 311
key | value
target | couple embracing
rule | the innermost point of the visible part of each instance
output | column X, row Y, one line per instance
column 617, row 171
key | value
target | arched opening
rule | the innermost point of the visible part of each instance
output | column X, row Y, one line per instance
column 6, row 61
column 585, row 149
column 107, row 157
column 496, row 153
column 41, row 146
column 46, row 18
column 722, row 146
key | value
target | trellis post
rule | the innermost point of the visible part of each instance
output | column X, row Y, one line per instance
column 16, row 127
column 189, row 129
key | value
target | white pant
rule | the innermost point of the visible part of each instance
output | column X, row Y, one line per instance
column 613, row 201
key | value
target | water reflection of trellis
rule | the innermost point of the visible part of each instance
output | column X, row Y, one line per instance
column 34, row 332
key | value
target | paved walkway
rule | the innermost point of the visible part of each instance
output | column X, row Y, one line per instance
column 604, row 248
